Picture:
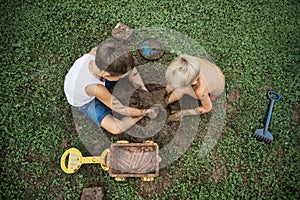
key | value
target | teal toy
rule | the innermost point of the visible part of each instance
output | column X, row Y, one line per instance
column 151, row 48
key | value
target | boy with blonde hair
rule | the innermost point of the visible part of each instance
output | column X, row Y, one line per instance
column 87, row 82
column 196, row 77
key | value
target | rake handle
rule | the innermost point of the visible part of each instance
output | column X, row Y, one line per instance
column 273, row 100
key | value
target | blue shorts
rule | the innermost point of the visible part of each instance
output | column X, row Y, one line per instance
column 96, row 110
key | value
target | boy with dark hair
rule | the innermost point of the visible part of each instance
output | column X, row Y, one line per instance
column 87, row 82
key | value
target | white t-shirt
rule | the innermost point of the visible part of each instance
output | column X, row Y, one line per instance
column 76, row 80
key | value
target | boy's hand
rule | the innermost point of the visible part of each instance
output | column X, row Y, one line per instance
column 169, row 89
column 144, row 88
column 153, row 112
column 166, row 99
column 176, row 116
column 93, row 51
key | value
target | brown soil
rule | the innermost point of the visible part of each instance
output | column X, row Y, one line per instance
column 233, row 95
column 95, row 193
column 144, row 100
column 220, row 168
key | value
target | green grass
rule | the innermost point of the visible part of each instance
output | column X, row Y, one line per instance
column 256, row 44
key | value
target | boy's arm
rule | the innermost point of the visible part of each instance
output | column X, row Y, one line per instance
column 202, row 94
column 101, row 93
column 136, row 80
column 93, row 51
column 206, row 106
column 178, row 93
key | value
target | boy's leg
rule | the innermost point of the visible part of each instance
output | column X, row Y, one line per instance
column 117, row 126
column 101, row 115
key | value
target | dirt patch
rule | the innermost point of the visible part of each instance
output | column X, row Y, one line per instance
column 230, row 108
column 267, row 87
column 94, row 193
column 219, row 173
column 143, row 100
column 220, row 168
column 164, row 128
column 65, row 142
column 295, row 114
column 279, row 152
column 233, row 95
column 147, row 188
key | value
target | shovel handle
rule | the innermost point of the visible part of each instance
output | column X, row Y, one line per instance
column 74, row 160
column 273, row 100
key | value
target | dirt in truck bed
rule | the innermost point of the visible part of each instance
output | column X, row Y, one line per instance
column 133, row 159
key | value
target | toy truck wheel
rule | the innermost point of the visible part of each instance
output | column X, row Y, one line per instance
column 147, row 179
column 120, row 179
column 148, row 141
column 103, row 161
column 122, row 142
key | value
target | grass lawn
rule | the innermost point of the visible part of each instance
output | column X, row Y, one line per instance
column 256, row 43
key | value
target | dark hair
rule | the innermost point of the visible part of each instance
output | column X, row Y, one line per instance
column 114, row 57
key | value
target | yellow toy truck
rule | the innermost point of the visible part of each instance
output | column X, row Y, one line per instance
column 121, row 160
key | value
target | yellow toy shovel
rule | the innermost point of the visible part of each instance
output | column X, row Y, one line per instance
column 75, row 159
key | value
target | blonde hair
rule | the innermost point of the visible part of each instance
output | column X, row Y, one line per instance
column 182, row 71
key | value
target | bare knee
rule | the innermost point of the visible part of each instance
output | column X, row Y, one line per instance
column 115, row 131
column 112, row 125
column 112, row 129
